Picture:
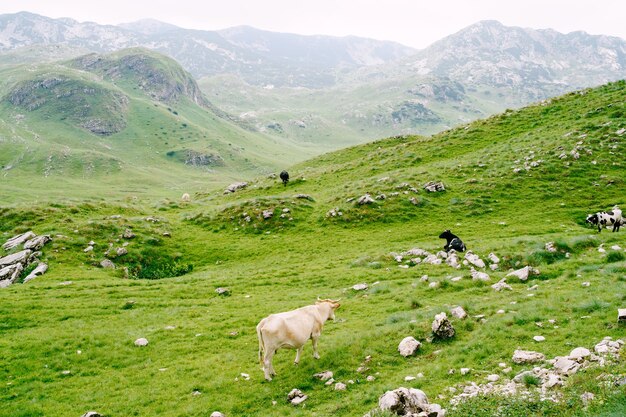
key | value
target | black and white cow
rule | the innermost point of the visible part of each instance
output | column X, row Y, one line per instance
column 607, row 218
column 284, row 176
column 453, row 241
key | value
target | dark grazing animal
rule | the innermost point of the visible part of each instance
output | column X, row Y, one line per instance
column 453, row 241
column 284, row 175
column 607, row 218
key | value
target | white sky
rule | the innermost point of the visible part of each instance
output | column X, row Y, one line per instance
column 414, row 23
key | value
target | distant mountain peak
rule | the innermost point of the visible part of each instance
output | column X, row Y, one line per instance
column 148, row 26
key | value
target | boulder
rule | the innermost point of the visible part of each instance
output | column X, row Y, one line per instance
column 37, row 243
column 235, row 186
column 527, row 356
column 296, row 396
column 404, row 401
column 106, row 263
column 493, row 258
column 408, row 346
column 580, row 353
column 434, row 186
column 142, row 341
column 621, row 314
column 474, row 259
column 458, row 312
column 441, row 327
column 40, row 270
column 18, row 257
column 523, row 273
column 365, row 199
column 566, row 366
column 10, row 274
column 478, row 275
column 18, row 240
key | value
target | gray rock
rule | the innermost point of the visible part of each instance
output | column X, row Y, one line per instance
column 40, row 270
column 235, row 187
column 408, row 346
column 106, row 263
column 360, row 287
column 217, row 414
column 404, row 401
column 296, row 396
column 434, row 186
column 142, row 341
column 10, row 274
column 474, row 259
column 501, row 285
column 621, row 314
column 37, row 243
column 121, row 251
column 128, row 234
column 458, row 312
column 340, row 386
column 580, row 353
column 268, row 214
column 222, row 291
column 365, row 199
column 324, row 376
column 441, row 327
column 18, row 257
column 18, row 240
column 478, row 275
column 527, row 356
column 587, row 397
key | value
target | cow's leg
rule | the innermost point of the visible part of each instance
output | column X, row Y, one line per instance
column 298, row 353
column 314, row 339
column 268, row 368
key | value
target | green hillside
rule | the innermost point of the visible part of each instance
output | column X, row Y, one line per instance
column 513, row 183
column 129, row 122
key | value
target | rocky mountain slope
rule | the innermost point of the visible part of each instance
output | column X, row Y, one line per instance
column 257, row 56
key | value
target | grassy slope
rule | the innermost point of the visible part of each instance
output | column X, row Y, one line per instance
column 51, row 156
column 282, row 264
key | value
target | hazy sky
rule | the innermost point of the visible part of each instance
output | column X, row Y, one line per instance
column 414, row 23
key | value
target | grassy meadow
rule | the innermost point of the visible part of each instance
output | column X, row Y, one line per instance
column 67, row 338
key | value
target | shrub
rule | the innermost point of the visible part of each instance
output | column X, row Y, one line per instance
column 614, row 256
column 155, row 264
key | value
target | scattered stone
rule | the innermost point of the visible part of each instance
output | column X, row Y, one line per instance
column 365, row 199
column 478, row 275
column 434, row 186
column 370, row 378
column 409, row 402
column 539, row 339
column 409, row 378
column 340, row 386
column 493, row 378
column 493, row 258
column 217, row 414
column 38, row 271
column 441, row 327
column 621, row 315
column 296, row 396
column 474, row 259
column 458, row 312
column 408, row 346
column 18, row 257
column 587, row 397
column 501, row 285
column 465, row 371
column 522, row 273
column 235, row 187
column 580, row 353
column 533, row 288
column 222, row 291
column 18, row 240
column 121, row 251
column 550, row 247
column 323, row 376
column 128, row 234
column 500, row 312
column 107, row 263
column 142, row 341
column 37, row 243
column 88, row 249
column 527, row 356
column 434, row 284
column 566, row 366
column 360, row 287
column 586, row 284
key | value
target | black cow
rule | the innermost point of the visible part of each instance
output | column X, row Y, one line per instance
column 285, row 177
column 453, row 241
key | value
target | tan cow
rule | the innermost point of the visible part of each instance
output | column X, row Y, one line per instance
column 291, row 330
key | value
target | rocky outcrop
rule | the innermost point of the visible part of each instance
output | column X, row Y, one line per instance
column 441, row 327
column 13, row 265
column 409, row 402
column 408, row 346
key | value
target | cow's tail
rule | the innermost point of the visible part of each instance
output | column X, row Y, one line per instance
column 261, row 344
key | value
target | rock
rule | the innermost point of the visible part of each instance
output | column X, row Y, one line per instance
column 479, row 276
column 566, row 366
column 267, row 214
column 465, row 371
column 539, row 338
column 40, row 270
column 493, row 378
column 128, row 234
column 409, row 378
column 106, row 263
column 441, row 327
column 222, row 291
column 92, row 414
column 434, row 284
column 18, row 240
column 550, row 247
column 580, row 353
column 408, row 346
column 621, row 314
column 340, row 386
column 10, row 274
column 121, row 251
column 493, row 258
column 185, row 198
column 586, row 284
column 88, row 249
column 417, row 252
column 296, row 396
column 434, row 186
column 608, row 347
column 370, row 378
column 587, row 397
column 552, row 380
column 474, row 259
column 527, row 356
column 404, row 401
column 235, row 187
column 458, row 312
column 37, row 243
column 142, row 341
column 18, row 257
column 360, row 287
column 323, row 376
column 522, row 273
column 432, row 259
column 365, row 199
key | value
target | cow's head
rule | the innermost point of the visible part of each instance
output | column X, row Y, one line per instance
column 445, row 234
column 592, row 218
column 333, row 304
